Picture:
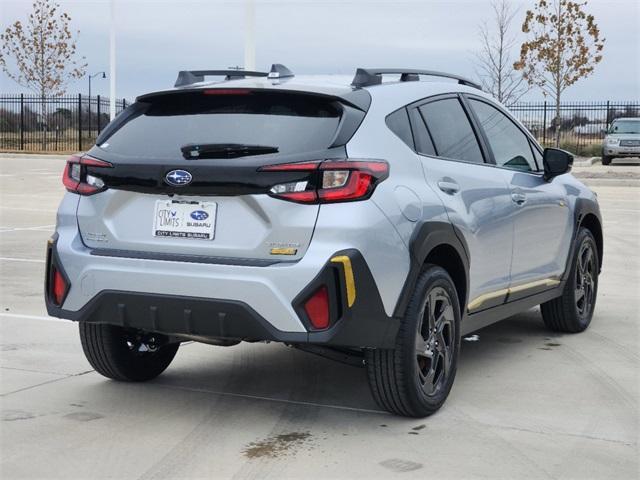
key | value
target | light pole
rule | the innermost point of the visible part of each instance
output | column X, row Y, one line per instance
column 104, row 75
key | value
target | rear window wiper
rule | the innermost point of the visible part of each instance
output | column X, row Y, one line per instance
column 195, row 151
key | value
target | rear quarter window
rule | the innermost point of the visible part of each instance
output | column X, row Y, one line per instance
column 398, row 123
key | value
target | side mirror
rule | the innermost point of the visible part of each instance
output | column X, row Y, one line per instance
column 556, row 162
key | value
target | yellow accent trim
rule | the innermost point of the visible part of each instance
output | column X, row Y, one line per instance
column 348, row 277
column 284, row 251
column 480, row 300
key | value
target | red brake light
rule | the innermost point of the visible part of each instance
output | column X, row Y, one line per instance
column 75, row 177
column 317, row 308
column 227, row 91
column 59, row 287
column 330, row 181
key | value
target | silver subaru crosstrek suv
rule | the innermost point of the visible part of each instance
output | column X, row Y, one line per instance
column 373, row 222
column 622, row 140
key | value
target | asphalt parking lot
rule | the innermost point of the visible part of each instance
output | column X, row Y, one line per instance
column 527, row 403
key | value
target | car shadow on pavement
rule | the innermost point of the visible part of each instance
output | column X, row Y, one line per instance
column 279, row 373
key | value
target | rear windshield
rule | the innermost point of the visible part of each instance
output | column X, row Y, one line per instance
column 161, row 127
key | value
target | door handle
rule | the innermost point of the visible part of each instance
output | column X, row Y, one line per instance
column 448, row 186
column 519, row 198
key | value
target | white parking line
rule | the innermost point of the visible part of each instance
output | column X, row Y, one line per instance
column 26, row 229
column 26, row 209
column 28, row 260
column 41, row 318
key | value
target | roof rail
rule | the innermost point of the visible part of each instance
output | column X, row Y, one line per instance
column 188, row 77
column 366, row 77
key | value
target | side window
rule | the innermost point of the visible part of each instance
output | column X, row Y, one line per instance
column 424, row 144
column 509, row 144
column 452, row 134
column 398, row 123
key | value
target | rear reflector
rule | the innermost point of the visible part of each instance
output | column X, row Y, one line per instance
column 58, row 288
column 317, row 308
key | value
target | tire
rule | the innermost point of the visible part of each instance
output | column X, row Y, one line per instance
column 406, row 380
column 573, row 310
column 125, row 354
column 606, row 160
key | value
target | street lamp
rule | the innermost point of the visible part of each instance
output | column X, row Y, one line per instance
column 104, row 75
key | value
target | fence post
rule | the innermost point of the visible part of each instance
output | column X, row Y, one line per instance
column 607, row 119
column 98, row 116
column 80, row 121
column 544, row 125
column 22, row 121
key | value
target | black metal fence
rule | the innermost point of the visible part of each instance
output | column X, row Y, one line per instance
column 50, row 124
column 69, row 123
column 582, row 124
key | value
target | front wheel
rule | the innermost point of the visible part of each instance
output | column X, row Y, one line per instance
column 414, row 378
column 572, row 312
column 126, row 354
column 606, row 160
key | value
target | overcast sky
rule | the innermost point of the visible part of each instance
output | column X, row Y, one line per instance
column 157, row 38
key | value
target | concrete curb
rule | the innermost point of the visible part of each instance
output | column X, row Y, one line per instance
column 611, row 182
column 34, row 156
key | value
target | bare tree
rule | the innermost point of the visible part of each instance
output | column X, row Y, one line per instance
column 494, row 60
column 43, row 50
column 44, row 54
column 564, row 46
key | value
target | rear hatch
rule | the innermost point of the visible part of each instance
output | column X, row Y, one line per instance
column 186, row 181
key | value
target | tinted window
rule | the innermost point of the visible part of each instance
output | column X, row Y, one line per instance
column 451, row 131
column 398, row 123
column 510, row 146
column 424, row 144
column 291, row 122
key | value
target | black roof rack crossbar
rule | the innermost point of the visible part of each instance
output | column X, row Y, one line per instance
column 366, row 77
column 188, row 77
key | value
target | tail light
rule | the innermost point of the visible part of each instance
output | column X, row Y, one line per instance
column 76, row 179
column 330, row 181
column 317, row 308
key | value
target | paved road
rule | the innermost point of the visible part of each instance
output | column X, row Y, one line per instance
column 527, row 403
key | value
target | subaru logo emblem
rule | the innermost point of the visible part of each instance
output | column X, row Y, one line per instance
column 178, row 178
column 199, row 215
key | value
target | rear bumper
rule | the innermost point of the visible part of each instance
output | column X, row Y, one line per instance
column 223, row 312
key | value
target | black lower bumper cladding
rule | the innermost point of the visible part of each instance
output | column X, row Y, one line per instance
column 364, row 324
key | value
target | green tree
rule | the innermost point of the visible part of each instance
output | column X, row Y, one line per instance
column 564, row 46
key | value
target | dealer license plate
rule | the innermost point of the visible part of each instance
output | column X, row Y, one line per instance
column 178, row 219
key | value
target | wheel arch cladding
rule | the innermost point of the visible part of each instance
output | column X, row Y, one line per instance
column 591, row 222
column 447, row 257
column 437, row 243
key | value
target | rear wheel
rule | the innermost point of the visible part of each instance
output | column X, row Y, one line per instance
column 606, row 160
column 414, row 378
column 572, row 312
column 126, row 354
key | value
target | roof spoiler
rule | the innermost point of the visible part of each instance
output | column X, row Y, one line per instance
column 366, row 77
column 189, row 77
